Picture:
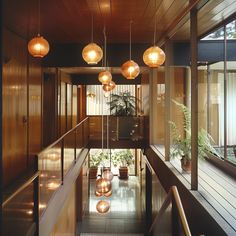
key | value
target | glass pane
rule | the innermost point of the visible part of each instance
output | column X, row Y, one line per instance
column 231, row 94
column 69, row 151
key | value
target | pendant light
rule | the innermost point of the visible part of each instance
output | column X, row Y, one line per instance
column 130, row 69
column 105, row 76
column 103, row 185
column 92, row 53
column 38, row 46
column 103, row 206
column 108, row 87
column 154, row 56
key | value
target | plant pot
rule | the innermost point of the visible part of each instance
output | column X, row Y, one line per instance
column 186, row 165
column 123, row 173
column 93, row 172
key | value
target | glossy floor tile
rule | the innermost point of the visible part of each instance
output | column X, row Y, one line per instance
column 125, row 214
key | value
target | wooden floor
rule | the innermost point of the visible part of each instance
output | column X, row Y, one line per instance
column 216, row 187
column 125, row 215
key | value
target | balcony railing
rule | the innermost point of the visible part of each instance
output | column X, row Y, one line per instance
column 20, row 209
column 126, row 131
column 171, row 219
column 56, row 160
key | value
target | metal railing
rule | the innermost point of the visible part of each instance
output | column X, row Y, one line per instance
column 20, row 209
column 178, row 219
column 55, row 161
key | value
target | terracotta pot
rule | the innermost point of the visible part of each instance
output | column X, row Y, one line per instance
column 93, row 172
column 186, row 164
column 123, row 173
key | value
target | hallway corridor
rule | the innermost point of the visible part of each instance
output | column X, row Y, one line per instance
column 125, row 214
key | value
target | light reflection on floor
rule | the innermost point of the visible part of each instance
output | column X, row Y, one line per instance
column 125, row 214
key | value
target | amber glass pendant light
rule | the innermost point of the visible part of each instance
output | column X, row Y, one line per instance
column 154, row 56
column 38, row 46
column 92, row 53
column 105, row 76
column 130, row 69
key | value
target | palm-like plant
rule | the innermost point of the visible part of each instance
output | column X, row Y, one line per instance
column 123, row 104
column 182, row 143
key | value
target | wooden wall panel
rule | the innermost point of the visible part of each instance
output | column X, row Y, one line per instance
column 74, row 106
column 35, row 109
column 81, row 102
column 69, row 106
column 63, row 108
column 66, row 223
column 49, row 109
column 14, row 113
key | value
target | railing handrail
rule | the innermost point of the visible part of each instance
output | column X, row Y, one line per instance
column 21, row 188
column 62, row 137
column 173, row 194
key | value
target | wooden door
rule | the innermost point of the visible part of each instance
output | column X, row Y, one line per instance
column 14, row 102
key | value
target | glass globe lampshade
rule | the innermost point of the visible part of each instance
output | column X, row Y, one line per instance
column 92, row 53
column 105, row 77
column 108, row 194
column 103, row 185
column 130, row 69
column 108, row 87
column 103, row 206
column 107, row 174
column 154, row 56
column 97, row 194
column 38, row 46
column 54, row 156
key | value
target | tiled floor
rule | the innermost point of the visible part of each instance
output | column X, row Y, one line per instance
column 125, row 214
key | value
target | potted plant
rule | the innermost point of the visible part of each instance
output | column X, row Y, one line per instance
column 123, row 159
column 94, row 161
column 181, row 144
column 123, row 104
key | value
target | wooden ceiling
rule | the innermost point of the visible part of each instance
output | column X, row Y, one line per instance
column 69, row 21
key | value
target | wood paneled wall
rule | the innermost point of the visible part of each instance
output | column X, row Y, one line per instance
column 14, row 107
column 34, row 109
column 21, row 100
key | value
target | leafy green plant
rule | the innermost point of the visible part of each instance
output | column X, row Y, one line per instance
column 181, row 147
column 122, row 158
column 123, row 104
column 97, row 159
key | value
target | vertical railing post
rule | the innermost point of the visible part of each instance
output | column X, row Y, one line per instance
column 148, row 198
column 62, row 161
column 75, row 144
column 194, row 98
column 36, row 204
column 174, row 218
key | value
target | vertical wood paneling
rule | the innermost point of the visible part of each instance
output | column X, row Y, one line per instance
column 14, row 103
column 34, row 109
column 49, row 109
column 63, row 108
column 74, row 106
column 69, row 106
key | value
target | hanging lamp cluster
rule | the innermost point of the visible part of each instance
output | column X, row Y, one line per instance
column 38, row 46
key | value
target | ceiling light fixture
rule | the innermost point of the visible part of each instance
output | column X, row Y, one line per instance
column 38, row 46
column 105, row 76
column 154, row 56
column 92, row 53
column 130, row 69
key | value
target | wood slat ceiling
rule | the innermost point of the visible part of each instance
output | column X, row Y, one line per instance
column 69, row 21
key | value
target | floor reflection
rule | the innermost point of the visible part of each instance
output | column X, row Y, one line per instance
column 125, row 214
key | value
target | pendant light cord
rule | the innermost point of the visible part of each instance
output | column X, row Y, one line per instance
column 130, row 27
column 105, row 47
column 155, row 30
column 92, row 29
column 39, row 26
column 102, row 124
